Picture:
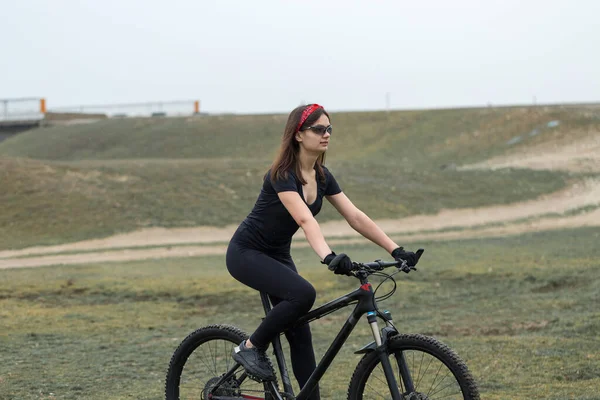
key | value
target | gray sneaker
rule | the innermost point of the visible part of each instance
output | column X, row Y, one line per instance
column 255, row 362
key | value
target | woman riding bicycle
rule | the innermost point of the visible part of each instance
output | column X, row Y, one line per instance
column 259, row 252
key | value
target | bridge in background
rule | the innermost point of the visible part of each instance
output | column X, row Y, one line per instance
column 21, row 114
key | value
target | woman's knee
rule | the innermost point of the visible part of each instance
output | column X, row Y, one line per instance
column 232, row 259
column 306, row 297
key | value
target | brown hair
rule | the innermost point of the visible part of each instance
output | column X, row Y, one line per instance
column 287, row 157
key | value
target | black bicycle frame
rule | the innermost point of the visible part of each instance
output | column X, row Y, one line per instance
column 366, row 302
column 365, row 298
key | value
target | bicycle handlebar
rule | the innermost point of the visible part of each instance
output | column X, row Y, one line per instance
column 379, row 265
column 376, row 265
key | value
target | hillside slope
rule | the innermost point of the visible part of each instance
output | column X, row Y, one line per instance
column 121, row 175
column 443, row 136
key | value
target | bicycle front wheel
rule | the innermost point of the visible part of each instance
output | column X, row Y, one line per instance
column 202, row 359
column 425, row 369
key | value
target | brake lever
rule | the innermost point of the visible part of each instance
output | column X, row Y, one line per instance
column 356, row 268
column 404, row 267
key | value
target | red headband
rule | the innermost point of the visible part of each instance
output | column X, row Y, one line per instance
column 306, row 113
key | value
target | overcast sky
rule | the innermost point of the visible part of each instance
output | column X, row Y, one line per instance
column 269, row 56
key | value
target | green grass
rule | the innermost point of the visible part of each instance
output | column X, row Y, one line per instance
column 521, row 310
column 71, row 183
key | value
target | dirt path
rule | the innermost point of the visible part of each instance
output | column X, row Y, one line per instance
column 548, row 223
column 579, row 195
column 582, row 155
column 527, row 216
column 516, row 218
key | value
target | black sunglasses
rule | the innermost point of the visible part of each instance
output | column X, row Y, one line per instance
column 320, row 129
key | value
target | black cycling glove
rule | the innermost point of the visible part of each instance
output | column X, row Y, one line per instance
column 342, row 265
column 400, row 255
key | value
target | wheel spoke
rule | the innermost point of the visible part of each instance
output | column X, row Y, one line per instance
column 435, row 378
column 379, row 379
column 215, row 357
column 444, row 387
column 202, row 358
column 384, row 383
column 420, row 365
column 211, row 358
column 377, row 392
column 226, row 355
column 427, row 368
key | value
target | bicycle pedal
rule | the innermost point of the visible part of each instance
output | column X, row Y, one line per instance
column 257, row 379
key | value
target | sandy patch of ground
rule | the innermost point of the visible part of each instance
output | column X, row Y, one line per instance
column 141, row 238
column 581, row 155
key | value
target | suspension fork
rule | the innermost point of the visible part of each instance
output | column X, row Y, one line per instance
column 400, row 359
column 383, row 356
column 405, row 373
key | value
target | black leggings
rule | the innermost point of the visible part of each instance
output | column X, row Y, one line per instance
column 291, row 295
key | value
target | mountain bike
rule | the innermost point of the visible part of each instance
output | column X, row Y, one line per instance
column 394, row 366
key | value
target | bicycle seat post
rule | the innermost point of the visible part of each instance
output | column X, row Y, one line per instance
column 265, row 302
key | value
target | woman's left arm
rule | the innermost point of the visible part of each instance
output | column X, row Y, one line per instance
column 360, row 222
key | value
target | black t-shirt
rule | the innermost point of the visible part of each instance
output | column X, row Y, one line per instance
column 270, row 227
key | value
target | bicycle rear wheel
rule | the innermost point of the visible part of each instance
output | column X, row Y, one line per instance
column 436, row 372
column 205, row 356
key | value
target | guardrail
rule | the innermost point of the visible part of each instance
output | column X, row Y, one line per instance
column 35, row 108
column 22, row 109
column 151, row 108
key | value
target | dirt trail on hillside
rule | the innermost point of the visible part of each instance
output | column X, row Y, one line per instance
column 515, row 218
column 575, row 197
column 549, row 223
column 544, row 213
column 581, row 155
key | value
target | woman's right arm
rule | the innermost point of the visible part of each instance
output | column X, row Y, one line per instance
column 305, row 220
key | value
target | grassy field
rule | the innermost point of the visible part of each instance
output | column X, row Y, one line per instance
column 70, row 183
column 523, row 312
